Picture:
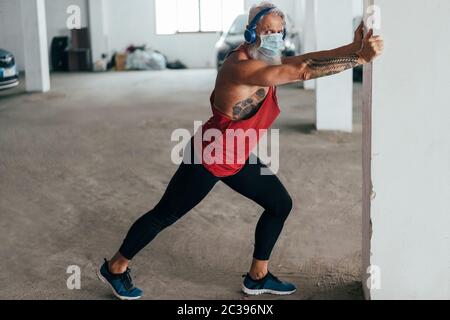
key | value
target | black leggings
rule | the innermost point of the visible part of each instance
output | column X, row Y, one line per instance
column 190, row 185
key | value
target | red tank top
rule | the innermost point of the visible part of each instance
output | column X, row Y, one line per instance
column 226, row 144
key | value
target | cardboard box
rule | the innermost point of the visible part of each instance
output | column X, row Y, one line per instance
column 121, row 59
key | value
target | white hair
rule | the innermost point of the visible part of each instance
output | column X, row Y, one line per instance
column 253, row 48
column 255, row 9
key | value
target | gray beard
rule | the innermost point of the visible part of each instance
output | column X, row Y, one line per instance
column 256, row 54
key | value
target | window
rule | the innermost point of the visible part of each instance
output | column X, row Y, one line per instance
column 174, row 16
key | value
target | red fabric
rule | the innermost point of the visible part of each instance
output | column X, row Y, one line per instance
column 233, row 158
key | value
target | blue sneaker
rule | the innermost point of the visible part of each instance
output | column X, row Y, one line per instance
column 269, row 284
column 121, row 284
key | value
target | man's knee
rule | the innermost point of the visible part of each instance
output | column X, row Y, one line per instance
column 283, row 206
column 288, row 204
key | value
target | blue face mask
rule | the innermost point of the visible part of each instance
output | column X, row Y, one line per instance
column 271, row 44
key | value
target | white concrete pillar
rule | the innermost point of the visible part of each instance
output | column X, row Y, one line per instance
column 298, row 15
column 334, row 94
column 34, row 26
column 406, row 228
column 98, row 29
column 309, row 35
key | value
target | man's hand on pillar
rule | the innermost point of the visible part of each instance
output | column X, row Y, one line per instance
column 372, row 47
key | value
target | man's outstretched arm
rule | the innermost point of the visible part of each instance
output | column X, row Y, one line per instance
column 313, row 65
column 324, row 63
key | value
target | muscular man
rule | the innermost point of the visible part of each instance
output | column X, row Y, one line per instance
column 244, row 98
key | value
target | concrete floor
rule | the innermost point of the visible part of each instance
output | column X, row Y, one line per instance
column 78, row 165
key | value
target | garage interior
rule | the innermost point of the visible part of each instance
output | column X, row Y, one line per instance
column 84, row 160
column 84, row 153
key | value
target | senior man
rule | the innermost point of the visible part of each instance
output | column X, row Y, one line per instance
column 244, row 99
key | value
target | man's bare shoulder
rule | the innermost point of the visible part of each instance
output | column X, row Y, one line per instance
column 239, row 59
column 233, row 60
column 238, row 66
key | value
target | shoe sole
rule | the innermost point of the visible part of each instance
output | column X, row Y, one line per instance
column 251, row 292
column 99, row 275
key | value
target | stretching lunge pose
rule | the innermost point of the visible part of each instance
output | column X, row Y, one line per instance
column 244, row 98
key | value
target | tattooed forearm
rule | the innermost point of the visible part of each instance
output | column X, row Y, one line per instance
column 247, row 108
column 316, row 68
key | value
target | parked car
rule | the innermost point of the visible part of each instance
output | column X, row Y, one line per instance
column 9, row 76
column 234, row 36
